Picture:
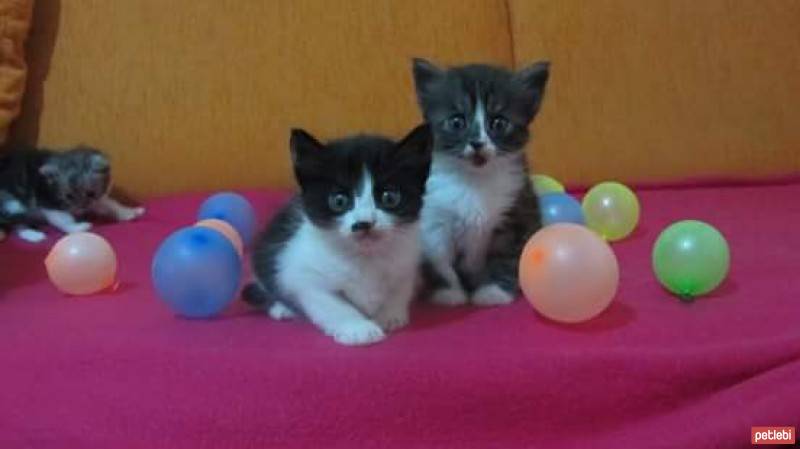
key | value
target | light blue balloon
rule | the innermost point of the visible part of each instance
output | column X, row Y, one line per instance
column 196, row 271
column 560, row 208
column 234, row 209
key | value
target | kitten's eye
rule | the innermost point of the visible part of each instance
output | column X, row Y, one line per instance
column 498, row 124
column 456, row 122
column 70, row 197
column 391, row 199
column 91, row 195
column 338, row 202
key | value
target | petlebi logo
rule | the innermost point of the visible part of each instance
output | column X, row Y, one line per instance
column 772, row 435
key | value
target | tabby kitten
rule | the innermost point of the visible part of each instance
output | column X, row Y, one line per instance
column 479, row 208
column 345, row 252
column 42, row 186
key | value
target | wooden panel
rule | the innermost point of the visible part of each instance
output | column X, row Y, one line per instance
column 664, row 90
column 199, row 94
column 15, row 20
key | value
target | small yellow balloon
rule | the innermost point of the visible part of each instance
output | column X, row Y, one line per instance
column 543, row 184
column 612, row 210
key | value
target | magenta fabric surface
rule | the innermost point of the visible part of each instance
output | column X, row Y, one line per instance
column 119, row 370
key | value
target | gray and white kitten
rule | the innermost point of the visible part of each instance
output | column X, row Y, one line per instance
column 59, row 188
column 479, row 207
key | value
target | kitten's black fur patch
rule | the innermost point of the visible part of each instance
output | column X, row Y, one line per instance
column 266, row 249
column 338, row 167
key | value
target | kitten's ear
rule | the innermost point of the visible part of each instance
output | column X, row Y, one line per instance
column 303, row 145
column 49, row 170
column 100, row 163
column 425, row 74
column 534, row 77
column 533, row 80
column 416, row 147
column 307, row 157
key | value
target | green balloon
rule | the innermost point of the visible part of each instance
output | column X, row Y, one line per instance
column 691, row 258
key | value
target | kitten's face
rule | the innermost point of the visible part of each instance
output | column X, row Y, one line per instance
column 479, row 112
column 362, row 189
column 78, row 177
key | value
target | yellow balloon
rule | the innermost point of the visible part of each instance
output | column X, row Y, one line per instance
column 543, row 184
column 612, row 210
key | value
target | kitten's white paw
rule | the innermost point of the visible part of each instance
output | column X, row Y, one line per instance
column 79, row 227
column 278, row 311
column 130, row 213
column 357, row 332
column 31, row 235
column 392, row 320
column 449, row 297
column 491, row 295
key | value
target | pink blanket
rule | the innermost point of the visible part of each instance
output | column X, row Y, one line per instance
column 120, row 371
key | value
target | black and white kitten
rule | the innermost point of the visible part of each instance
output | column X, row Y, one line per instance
column 345, row 252
column 479, row 208
column 58, row 188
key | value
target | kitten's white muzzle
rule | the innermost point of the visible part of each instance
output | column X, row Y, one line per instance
column 479, row 153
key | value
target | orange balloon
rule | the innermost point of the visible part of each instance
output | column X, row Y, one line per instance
column 568, row 273
column 81, row 264
column 225, row 229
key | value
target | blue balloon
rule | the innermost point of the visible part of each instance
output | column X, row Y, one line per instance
column 560, row 208
column 234, row 209
column 196, row 271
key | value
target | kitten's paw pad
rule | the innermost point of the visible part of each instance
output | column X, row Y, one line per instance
column 491, row 295
column 278, row 311
column 31, row 235
column 392, row 322
column 360, row 332
column 449, row 297
column 129, row 214
column 79, row 227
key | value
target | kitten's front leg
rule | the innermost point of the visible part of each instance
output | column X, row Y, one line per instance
column 279, row 311
column 110, row 207
column 338, row 318
column 497, row 283
column 443, row 280
column 440, row 275
column 29, row 234
column 64, row 221
column 393, row 314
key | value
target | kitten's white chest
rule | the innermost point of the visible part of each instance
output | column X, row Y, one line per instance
column 469, row 205
column 310, row 261
column 370, row 282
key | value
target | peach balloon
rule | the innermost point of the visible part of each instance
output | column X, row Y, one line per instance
column 568, row 273
column 81, row 263
column 225, row 229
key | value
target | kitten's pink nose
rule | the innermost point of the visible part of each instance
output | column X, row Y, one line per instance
column 361, row 226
